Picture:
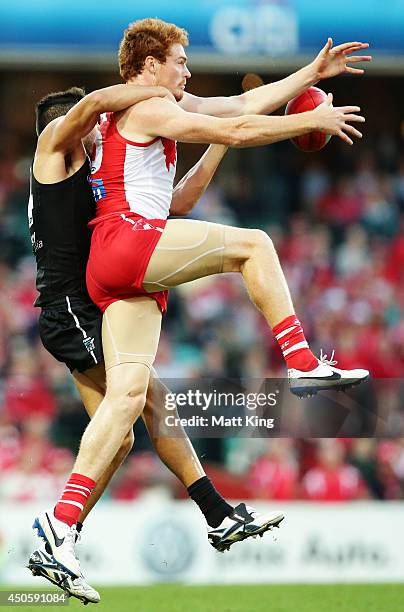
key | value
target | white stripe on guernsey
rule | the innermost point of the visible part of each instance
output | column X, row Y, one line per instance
column 147, row 182
column 71, row 484
column 83, row 331
column 286, row 331
column 72, row 503
column 295, row 347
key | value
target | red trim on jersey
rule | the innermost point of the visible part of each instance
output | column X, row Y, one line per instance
column 112, row 170
column 114, row 129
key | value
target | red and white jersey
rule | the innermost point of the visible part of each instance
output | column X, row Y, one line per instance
column 132, row 177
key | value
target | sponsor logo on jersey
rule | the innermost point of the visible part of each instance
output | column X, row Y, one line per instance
column 36, row 244
column 98, row 188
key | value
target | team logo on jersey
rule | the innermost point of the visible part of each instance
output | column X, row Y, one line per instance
column 89, row 343
column 98, row 188
column 170, row 152
column 141, row 224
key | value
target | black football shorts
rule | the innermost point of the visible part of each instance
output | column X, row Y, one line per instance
column 70, row 329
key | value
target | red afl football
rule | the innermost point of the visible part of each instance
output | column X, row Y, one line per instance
column 307, row 101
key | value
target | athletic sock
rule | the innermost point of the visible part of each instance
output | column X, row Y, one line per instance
column 293, row 344
column 77, row 491
column 210, row 502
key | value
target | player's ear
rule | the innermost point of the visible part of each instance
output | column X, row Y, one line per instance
column 150, row 64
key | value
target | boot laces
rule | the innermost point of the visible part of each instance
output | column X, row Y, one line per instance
column 330, row 361
column 70, row 539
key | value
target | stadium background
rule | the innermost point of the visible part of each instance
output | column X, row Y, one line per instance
column 336, row 218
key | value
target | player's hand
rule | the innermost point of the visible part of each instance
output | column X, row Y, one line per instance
column 332, row 61
column 336, row 120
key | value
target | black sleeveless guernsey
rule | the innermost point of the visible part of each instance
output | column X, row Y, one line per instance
column 58, row 215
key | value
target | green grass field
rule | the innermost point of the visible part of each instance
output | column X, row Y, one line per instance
column 260, row 598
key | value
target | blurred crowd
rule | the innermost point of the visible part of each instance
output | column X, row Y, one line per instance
column 337, row 222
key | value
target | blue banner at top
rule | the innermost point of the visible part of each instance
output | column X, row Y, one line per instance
column 232, row 27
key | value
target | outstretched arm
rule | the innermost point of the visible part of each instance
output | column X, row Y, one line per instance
column 194, row 184
column 160, row 117
column 82, row 118
column 330, row 62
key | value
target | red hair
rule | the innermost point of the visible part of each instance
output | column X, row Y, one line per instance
column 147, row 37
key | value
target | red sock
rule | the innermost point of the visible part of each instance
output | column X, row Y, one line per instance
column 77, row 491
column 294, row 346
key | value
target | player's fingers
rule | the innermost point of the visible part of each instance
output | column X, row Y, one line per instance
column 345, row 46
column 343, row 136
column 356, row 118
column 330, row 98
column 352, row 130
column 354, row 70
column 351, row 50
column 359, row 58
column 349, row 109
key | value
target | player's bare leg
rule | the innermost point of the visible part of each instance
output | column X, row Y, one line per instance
column 118, row 411
column 225, row 525
column 178, row 454
column 193, row 249
column 41, row 563
column 130, row 335
column 131, row 331
column 91, row 388
column 124, row 401
column 171, row 444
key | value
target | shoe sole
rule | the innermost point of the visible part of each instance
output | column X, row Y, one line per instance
column 240, row 536
column 310, row 391
column 41, row 534
column 37, row 570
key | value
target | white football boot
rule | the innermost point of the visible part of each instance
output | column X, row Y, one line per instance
column 244, row 522
column 41, row 563
column 61, row 539
column 324, row 377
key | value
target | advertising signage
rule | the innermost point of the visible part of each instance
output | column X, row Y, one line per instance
column 219, row 29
